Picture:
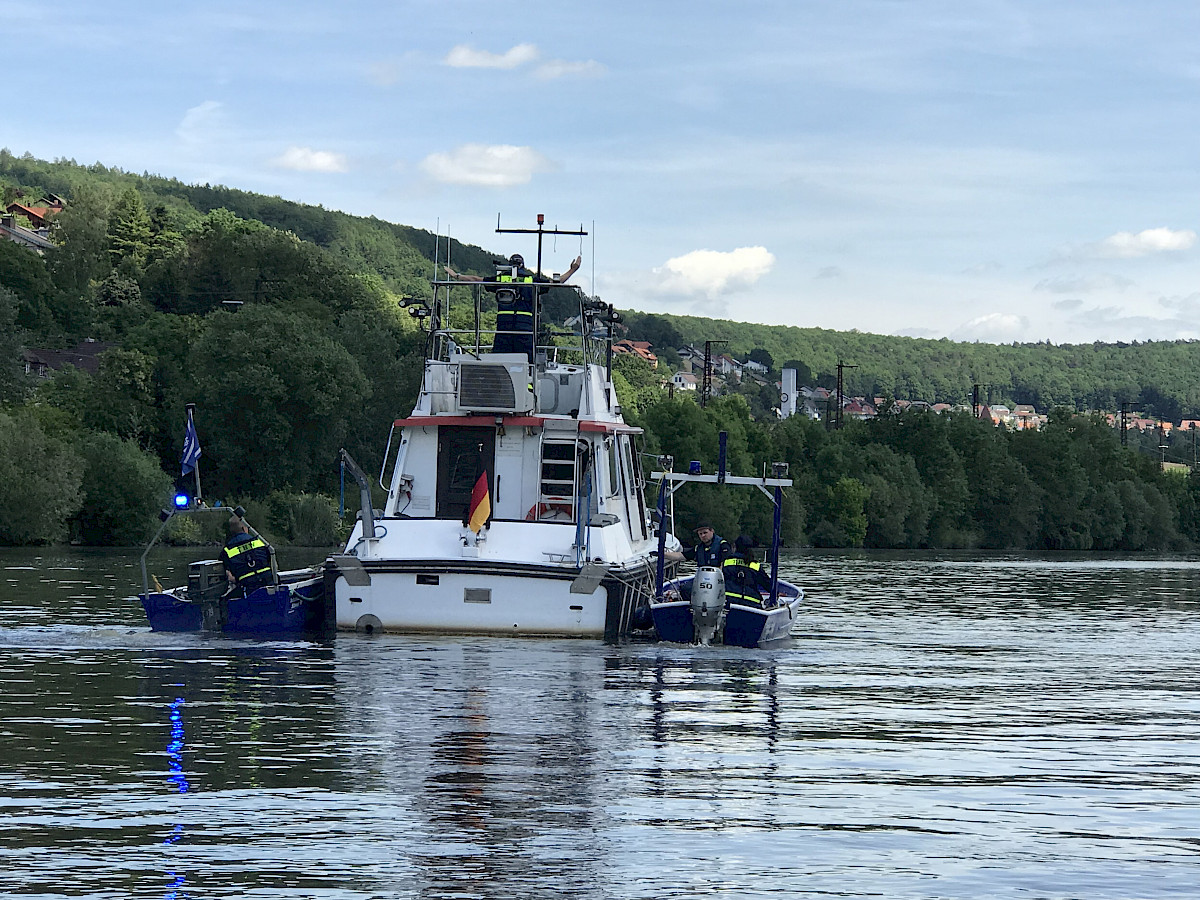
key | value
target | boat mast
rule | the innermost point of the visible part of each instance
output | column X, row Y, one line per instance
column 539, row 231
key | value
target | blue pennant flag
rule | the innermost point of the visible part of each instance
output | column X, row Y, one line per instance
column 191, row 448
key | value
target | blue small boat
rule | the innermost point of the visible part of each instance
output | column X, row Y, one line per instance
column 296, row 606
column 737, row 625
column 695, row 609
column 277, row 609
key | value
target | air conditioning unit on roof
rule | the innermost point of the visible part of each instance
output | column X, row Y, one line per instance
column 501, row 383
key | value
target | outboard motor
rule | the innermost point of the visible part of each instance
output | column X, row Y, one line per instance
column 708, row 604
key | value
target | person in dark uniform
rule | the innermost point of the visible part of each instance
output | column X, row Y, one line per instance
column 745, row 580
column 247, row 560
column 516, row 302
column 710, row 549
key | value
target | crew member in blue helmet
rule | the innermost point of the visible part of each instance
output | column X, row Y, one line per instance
column 247, row 559
column 516, row 302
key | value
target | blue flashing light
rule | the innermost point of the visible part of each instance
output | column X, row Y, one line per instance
column 182, row 501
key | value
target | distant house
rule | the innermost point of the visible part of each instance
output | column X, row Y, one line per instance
column 727, row 365
column 1025, row 417
column 755, row 366
column 636, row 348
column 999, row 414
column 684, row 381
column 1142, row 424
column 39, row 216
column 83, row 356
column 1189, row 424
column 19, row 234
column 859, row 408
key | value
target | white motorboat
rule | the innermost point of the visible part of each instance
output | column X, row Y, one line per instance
column 515, row 502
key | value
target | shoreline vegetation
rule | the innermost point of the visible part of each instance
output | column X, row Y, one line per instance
column 282, row 323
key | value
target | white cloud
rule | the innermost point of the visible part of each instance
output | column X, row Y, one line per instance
column 466, row 57
column 994, row 328
column 712, row 272
column 200, row 121
column 305, row 159
column 1128, row 245
column 498, row 165
column 561, row 68
column 1113, row 323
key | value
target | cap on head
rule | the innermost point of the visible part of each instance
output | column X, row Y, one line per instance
column 516, row 260
column 744, row 542
column 703, row 526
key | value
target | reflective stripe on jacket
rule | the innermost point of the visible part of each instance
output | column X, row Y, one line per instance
column 245, row 564
column 741, row 582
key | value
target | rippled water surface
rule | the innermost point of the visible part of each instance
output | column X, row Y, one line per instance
column 939, row 727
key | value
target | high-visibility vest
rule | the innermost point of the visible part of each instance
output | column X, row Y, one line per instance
column 244, row 567
column 506, row 304
column 748, row 591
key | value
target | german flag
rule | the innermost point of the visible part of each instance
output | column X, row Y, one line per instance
column 481, row 504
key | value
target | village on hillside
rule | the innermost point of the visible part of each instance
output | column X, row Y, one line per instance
column 822, row 404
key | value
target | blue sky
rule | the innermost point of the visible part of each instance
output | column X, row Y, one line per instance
column 977, row 169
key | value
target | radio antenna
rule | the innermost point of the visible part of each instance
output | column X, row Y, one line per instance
column 540, row 231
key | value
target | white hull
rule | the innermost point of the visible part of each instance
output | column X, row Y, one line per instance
column 480, row 600
column 431, row 577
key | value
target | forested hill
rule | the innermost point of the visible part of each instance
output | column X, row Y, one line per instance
column 400, row 254
column 1161, row 378
column 314, row 355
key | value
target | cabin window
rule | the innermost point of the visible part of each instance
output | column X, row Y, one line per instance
column 613, row 469
column 635, row 507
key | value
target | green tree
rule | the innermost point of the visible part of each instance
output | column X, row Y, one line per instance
column 129, row 232
column 123, row 490
column 276, row 399
column 13, row 384
column 39, row 482
column 24, row 276
column 81, row 259
column 122, row 395
column 844, row 520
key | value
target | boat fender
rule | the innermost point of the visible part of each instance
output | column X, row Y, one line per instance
column 368, row 624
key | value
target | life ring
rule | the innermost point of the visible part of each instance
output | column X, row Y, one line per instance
column 560, row 512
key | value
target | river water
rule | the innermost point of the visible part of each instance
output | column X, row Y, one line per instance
column 950, row 726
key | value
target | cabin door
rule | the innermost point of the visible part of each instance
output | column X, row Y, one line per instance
column 463, row 453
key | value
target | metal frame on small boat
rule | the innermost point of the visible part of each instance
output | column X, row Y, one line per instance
column 676, row 618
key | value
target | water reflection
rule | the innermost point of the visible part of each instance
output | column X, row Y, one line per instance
column 949, row 726
column 179, row 779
